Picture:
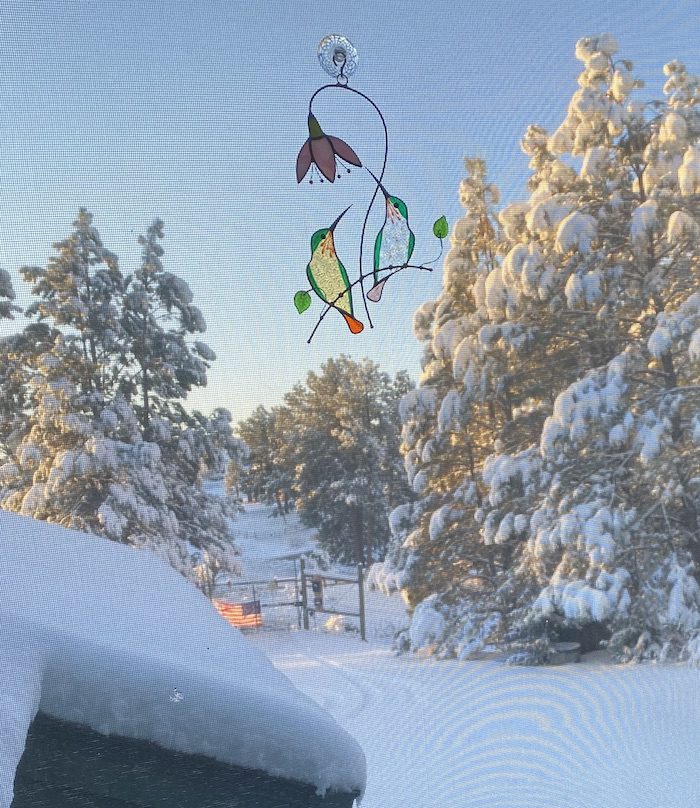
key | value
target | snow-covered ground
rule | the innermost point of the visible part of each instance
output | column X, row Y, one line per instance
column 266, row 538
column 461, row 735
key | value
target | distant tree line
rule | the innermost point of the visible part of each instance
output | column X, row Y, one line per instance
column 332, row 450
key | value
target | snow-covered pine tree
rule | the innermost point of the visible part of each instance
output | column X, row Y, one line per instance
column 616, row 532
column 79, row 292
column 75, row 291
column 235, row 476
column 163, row 363
column 7, row 295
column 12, row 390
column 586, row 347
column 203, row 518
column 159, row 320
column 80, row 460
column 18, row 353
column 265, row 474
column 78, row 457
column 464, row 399
column 225, row 456
column 342, row 450
column 225, row 447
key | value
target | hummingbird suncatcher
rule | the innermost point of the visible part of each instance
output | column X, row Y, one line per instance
column 394, row 244
column 328, row 277
column 324, row 155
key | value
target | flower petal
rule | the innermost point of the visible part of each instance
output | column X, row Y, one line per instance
column 341, row 148
column 304, row 161
column 324, row 157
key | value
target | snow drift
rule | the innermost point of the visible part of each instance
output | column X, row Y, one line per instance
column 109, row 636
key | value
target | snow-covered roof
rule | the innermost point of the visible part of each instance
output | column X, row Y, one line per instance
column 111, row 637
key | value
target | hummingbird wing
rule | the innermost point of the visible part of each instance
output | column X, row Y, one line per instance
column 378, row 252
column 411, row 244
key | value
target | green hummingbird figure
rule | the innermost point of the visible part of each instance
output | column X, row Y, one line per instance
column 394, row 244
column 328, row 277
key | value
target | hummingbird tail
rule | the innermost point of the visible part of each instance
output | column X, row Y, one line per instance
column 375, row 293
column 354, row 325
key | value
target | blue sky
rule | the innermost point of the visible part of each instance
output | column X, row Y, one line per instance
column 195, row 112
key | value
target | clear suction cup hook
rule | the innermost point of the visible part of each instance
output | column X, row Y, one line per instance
column 338, row 57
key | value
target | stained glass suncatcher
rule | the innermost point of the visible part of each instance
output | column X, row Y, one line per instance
column 321, row 159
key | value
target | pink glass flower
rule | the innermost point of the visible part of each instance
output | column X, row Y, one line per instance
column 322, row 150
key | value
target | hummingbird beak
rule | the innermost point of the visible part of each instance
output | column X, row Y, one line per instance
column 332, row 227
column 382, row 188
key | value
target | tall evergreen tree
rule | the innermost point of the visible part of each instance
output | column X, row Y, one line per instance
column 224, row 447
column 343, row 447
column 76, row 292
column 12, row 379
column 266, row 474
column 18, row 354
column 164, row 362
column 159, row 320
column 79, row 292
column 583, row 304
column 616, row 532
column 76, row 451
column 7, row 295
column 81, row 460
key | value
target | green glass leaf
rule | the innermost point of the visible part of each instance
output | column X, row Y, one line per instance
column 302, row 300
column 441, row 228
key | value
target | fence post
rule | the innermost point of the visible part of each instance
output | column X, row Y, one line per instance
column 296, row 590
column 304, row 597
column 361, row 587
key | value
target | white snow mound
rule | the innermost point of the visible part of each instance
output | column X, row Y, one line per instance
column 104, row 634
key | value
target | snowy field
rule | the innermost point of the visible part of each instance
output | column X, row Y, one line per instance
column 461, row 735
column 265, row 538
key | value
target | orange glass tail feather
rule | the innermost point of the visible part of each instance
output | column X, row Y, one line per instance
column 354, row 325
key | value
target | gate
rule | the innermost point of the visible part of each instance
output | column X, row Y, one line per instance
column 273, row 591
column 323, row 600
column 292, row 597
